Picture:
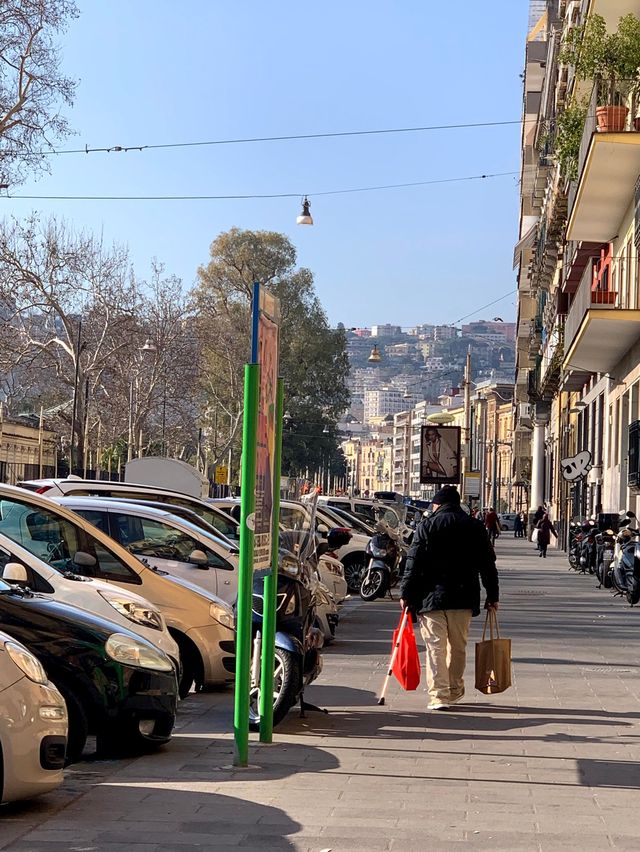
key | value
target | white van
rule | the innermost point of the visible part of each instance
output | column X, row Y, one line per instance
column 201, row 623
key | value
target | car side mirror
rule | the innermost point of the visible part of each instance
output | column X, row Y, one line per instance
column 199, row 559
column 14, row 572
column 84, row 560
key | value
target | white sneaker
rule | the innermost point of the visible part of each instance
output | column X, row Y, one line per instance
column 437, row 705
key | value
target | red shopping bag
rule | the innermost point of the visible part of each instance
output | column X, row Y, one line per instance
column 406, row 665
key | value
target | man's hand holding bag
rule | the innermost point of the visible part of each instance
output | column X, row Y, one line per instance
column 493, row 658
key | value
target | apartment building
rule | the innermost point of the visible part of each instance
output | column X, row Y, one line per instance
column 578, row 335
column 379, row 402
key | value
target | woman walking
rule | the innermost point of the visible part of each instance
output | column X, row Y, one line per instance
column 545, row 528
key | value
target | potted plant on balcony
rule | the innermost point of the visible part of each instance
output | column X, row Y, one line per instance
column 611, row 60
column 569, row 127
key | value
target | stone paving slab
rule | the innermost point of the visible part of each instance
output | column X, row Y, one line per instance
column 552, row 764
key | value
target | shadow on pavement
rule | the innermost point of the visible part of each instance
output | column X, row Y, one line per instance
column 609, row 773
column 171, row 816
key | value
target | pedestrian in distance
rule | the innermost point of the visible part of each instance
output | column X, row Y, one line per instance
column 545, row 529
column 449, row 556
column 492, row 523
column 517, row 527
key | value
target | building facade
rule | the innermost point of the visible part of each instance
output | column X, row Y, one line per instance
column 578, row 334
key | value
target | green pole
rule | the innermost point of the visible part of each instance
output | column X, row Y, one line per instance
column 269, row 606
column 245, row 569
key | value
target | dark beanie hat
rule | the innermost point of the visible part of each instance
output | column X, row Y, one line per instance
column 447, row 494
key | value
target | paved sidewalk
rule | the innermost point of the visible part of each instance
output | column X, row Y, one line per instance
column 552, row 764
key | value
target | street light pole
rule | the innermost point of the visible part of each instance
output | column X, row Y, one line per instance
column 74, row 411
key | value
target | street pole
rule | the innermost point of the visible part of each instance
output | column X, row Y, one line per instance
column 466, row 457
column 40, row 441
column 269, row 608
column 245, row 567
column 74, row 412
column 495, row 455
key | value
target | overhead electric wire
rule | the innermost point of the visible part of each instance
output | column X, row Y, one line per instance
column 248, row 196
column 283, row 138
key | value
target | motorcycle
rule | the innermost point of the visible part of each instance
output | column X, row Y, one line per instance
column 383, row 569
column 625, row 571
column 298, row 658
column 605, row 546
column 588, row 550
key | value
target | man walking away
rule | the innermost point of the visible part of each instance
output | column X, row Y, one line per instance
column 492, row 523
column 545, row 528
column 449, row 555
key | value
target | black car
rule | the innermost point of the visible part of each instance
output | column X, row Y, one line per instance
column 117, row 685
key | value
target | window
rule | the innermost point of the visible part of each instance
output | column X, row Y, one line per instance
column 56, row 540
column 294, row 518
column 150, row 537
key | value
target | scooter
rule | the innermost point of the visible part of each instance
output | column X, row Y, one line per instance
column 298, row 658
column 625, row 571
column 384, row 552
column 605, row 550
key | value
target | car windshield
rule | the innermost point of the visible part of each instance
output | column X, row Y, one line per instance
column 4, row 588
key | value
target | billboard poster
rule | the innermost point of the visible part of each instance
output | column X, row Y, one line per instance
column 440, row 455
column 267, row 357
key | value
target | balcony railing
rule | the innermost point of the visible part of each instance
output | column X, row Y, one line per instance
column 584, row 300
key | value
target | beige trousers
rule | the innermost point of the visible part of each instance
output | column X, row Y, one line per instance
column 445, row 634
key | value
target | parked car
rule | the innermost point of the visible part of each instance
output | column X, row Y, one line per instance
column 18, row 565
column 297, row 516
column 73, row 486
column 164, row 541
column 116, row 685
column 201, row 623
column 507, row 520
column 33, row 725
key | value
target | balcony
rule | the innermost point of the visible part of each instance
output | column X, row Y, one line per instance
column 552, row 352
column 608, row 165
column 599, row 330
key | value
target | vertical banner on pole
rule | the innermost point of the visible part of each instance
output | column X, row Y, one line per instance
column 257, row 502
column 268, row 354
column 269, row 606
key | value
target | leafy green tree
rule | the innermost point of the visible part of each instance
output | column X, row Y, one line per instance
column 313, row 357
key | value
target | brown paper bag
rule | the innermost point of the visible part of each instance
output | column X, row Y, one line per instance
column 493, row 658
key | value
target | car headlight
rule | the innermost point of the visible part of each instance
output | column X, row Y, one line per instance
column 133, row 652
column 52, row 713
column 147, row 616
column 26, row 662
column 223, row 615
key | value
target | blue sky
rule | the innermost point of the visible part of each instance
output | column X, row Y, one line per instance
column 158, row 71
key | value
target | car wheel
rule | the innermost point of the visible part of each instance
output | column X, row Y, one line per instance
column 192, row 670
column 78, row 725
column 353, row 570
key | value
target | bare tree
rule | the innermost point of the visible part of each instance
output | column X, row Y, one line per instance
column 67, row 313
column 32, row 89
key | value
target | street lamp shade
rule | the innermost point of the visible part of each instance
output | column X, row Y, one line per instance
column 325, row 431
column 440, row 417
column 498, row 319
column 305, row 217
column 287, row 418
column 149, row 346
column 375, row 356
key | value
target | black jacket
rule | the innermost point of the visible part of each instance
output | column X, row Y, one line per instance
column 450, row 553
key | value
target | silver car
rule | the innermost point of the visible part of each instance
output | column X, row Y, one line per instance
column 33, row 725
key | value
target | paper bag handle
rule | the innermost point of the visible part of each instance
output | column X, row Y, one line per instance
column 492, row 620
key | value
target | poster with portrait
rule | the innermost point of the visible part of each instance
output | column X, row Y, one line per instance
column 440, row 455
column 268, row 321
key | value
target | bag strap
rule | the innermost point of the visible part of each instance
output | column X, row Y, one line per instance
column 491, row 619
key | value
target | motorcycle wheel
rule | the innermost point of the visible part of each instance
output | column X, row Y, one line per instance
column 286, row 686
column 372, row 585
